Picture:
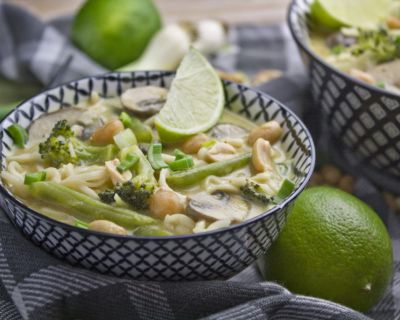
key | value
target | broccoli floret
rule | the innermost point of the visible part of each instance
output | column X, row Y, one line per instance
column 137, row 196
column 107, row 196
column 83, row 205
column 62, row 128
column 253, row 192
column 61, row 147
column 137, row 191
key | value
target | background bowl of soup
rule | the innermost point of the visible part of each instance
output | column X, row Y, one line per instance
column 364, row 118
column 212, row 254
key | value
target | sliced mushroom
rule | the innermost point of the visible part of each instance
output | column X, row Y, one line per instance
column 218, row 206
column 41, row 127
column 228, row 130
column 144, row 101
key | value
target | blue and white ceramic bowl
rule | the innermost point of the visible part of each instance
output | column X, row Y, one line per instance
column 363, row 118
column 210, row 255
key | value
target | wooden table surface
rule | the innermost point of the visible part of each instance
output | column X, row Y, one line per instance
column 230, row 11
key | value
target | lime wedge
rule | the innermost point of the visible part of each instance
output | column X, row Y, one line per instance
column 195, row 100
column 354, row 13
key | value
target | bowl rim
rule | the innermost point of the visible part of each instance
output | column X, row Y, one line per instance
column 310, row 52
column 6, row 193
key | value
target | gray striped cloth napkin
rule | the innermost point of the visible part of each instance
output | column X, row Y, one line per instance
column 36, row 286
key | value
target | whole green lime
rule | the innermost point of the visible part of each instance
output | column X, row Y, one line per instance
column 334, row 247
column 115, row 32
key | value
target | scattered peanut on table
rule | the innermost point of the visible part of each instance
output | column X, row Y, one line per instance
column 333, row 176
column 266, row 75
column 392, row 201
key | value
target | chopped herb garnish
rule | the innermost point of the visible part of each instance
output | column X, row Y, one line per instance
column 380, row 84
column 336, row 50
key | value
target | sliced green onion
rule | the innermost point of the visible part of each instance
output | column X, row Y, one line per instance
column 125, row 138
column 182, row 164
column 31, row 178
column 81, row 224
column 129, row 161
column 125, row 119
column 155, row 158
column 285, row 190
column 18, row 134
column 179, row 154
column 142, row 131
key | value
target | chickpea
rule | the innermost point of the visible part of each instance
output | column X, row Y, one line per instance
column 105, row 134
column 331, row 174
column 393, row 22
column 193, row 144
column 164, row 202
column 346, row 183
column 270, row 131
column 107, row 226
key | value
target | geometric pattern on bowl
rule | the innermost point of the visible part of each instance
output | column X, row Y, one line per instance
column 211, row 255
column 365, row 118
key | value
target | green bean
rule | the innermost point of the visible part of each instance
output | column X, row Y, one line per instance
column 34, row 177
column 195, row 175
column 18, row 134
column 81, row 204
column 151, row 231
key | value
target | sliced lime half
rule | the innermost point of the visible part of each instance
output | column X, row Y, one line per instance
column 195, row 101
column 354, row 13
